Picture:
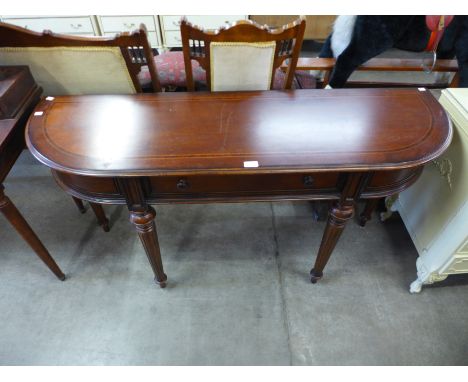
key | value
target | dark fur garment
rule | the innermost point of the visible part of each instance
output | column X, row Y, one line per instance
column 372, row 35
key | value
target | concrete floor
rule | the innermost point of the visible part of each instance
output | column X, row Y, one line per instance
column 238, row 290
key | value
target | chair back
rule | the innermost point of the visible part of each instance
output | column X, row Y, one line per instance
column 73, row 65
column 243, row 56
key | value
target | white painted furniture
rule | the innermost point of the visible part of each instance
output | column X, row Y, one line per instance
column 110, row 25
column 163, row 31
column 76, row 25
column 435, row 208
column 171, row 31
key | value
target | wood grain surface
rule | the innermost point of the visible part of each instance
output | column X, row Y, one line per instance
column 174, row 133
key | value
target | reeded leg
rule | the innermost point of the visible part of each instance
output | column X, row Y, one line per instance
column 338, row 216
column 22, row 227
column 79, row 204
column 366, row 215
column 144, row 224
column 100, row 216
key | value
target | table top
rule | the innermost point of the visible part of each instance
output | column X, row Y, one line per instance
column 227, row 132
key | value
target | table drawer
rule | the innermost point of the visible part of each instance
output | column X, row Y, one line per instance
column 243, row 184
column 126, row 23
column 67, row 25
column 200, row 187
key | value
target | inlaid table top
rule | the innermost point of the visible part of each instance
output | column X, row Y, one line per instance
column 182, row 133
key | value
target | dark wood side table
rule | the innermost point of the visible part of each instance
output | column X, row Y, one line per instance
column 338, row 145
column 18, row 96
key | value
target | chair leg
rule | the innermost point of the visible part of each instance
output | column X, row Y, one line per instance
column 79, row 204
column 100, row 216
column 17, row 220
column 366, row 215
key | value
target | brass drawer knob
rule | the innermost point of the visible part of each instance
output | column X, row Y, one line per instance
column 308, row 180
column 182, row 184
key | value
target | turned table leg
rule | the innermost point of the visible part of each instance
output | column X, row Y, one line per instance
column 144, row 224
column 366, row 215
column 337, row 219
column 339, row 214
column 22, row 227
column 79, row 204
column 142, row 216
column 100, row 216
column 98, row 211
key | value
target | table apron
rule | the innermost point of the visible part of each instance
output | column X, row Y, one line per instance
column 236, row 188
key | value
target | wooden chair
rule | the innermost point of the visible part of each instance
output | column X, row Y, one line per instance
column 244, row 56
column 72, row 65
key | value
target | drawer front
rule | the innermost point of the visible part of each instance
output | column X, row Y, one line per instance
column 126, row 23
column 206, row 187
column 172, row 38
column 67, row 25
column 152, row 38
column 199, row 186
column 207, row 22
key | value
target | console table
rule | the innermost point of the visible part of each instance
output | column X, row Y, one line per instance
column 143, row 149
column 18, row 96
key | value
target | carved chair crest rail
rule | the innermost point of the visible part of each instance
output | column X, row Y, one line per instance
column 258, row 51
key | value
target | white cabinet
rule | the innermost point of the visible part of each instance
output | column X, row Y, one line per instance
column 435, row 208
column 75, row 25
column 171, row 31
column 163, row 31
column 110, row 25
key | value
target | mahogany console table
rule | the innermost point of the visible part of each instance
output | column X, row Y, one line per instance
column 18, row 95
column 144, row 149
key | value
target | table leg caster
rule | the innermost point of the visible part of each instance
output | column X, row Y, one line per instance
column 105, row 226
column 315, row 275
column 363, row 220
column 162, row 284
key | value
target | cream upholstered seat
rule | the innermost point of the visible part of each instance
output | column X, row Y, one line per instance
column 243, row 56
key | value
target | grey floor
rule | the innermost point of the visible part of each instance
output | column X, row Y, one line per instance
column 238, row 290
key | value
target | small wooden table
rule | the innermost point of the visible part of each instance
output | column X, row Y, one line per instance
column 18, row 96
column 144, row 149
